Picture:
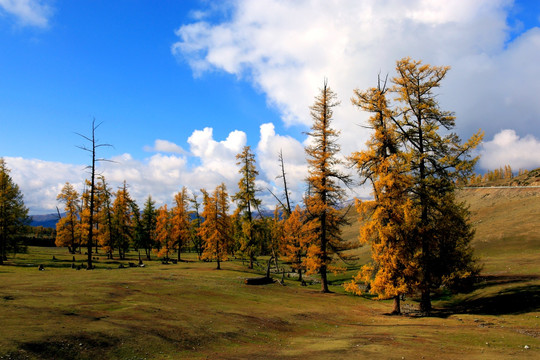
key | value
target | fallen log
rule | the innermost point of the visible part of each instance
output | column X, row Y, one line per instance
column 259, row 281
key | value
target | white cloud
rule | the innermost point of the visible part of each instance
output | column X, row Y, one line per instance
column 41, row 181
column 28, row 12
column 209, row 163
column 218, row 158
column 507, row 148
column 268, row 149
column 287, row 48
column 165, row 146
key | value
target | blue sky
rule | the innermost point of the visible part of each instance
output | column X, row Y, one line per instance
column 181, row 86
column 112, row 61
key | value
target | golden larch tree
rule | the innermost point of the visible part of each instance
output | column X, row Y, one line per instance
column 215, row 231
column 387, row 221
column 124, row 219
column 180, row 226
column 164, row 242
column 295, row 240
column 437, row 161
column 325, row 193
column 68, row 227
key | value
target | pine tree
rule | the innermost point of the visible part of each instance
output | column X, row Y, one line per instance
column 247, row 202
column 13, row 212
column 137, row 232
column 148, row 227
column 195, row 225
column 325, row 191
column 437, row 162
column 68, row 227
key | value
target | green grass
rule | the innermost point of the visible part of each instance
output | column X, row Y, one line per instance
column 190, row 310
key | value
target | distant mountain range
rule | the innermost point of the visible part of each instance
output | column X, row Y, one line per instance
column 48, row 221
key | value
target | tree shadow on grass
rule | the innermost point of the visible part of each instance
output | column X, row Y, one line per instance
column 74, row 347
column 492, row 280
column 516, row 299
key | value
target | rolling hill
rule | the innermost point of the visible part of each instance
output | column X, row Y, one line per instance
column 506, row 216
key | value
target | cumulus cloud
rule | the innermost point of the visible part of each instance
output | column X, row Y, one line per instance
column 28, row 12
column 507, row 148
column 286, row 49
column 211, row 162
column 165, row 146
column 268, row 149
column 41, row 181
column 208, row 163
column 217, row 158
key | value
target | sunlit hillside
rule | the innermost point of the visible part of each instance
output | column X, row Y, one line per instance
column 507, row 222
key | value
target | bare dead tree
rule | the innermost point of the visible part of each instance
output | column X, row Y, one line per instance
column 285, row 189
column 92, row 150
column 287, row 206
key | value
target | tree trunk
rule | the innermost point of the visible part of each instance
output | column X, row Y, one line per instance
column 397, row 306
column 2, row 249
column 268, row 267
column 425, row 302
column 324, row 280
column 218, row 264
column 91, row 230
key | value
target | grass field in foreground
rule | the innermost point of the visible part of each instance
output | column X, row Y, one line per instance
column 192, row 311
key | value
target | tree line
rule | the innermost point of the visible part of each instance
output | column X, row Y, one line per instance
column 502, row 173
column 419, row 234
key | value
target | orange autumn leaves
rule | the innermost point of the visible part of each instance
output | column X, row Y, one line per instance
column 419, row 235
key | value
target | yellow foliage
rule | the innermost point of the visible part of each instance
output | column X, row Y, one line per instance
column 387, row 220
column 163, row 232
column 215, row 231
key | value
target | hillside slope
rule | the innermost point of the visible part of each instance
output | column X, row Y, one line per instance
column 507, row 223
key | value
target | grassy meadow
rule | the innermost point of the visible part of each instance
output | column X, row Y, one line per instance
column 190, row 310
